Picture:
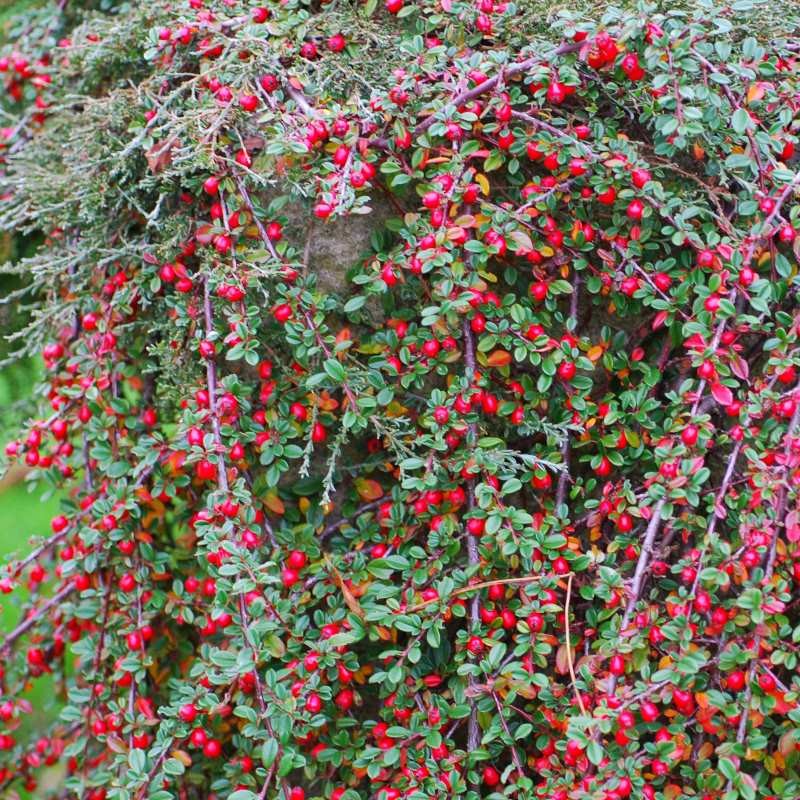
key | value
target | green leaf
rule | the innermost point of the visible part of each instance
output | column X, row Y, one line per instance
column 354, row 304
column 173, row 766
column 286, row 765
column 269, row 752
column 741, row 121
column 594, row 752
column 137, row 760
column 493, row 161
column 727, row 768
column 335, row 370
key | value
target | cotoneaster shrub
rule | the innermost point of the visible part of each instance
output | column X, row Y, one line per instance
column 505, row 507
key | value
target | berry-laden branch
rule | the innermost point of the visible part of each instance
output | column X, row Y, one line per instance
column 780, row 523
column 420, row 386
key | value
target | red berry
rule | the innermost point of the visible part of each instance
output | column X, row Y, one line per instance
column 491, row 777
column 212, row 748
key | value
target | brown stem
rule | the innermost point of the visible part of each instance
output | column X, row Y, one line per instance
column 564, row 477
column 641, row 570
column 780, row 522
column 332, row 527
column 514, row 754
column 485, row 585
column 33, row 618
column 568, row 634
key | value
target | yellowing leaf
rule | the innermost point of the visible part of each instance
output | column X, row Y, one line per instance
column 483, row 182
column 521, row 240
column 395, row 409
column 183, row 757
column 371, row 349
column 633, row 438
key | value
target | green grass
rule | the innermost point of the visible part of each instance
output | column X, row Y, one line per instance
column 22, row 514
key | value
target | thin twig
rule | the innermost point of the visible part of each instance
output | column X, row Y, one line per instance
column 569, row 646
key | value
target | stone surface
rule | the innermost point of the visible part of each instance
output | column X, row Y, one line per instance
column 335, row 245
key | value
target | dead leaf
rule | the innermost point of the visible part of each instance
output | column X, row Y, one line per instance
column 340, row 584
column 562, row 660
column 159, row 156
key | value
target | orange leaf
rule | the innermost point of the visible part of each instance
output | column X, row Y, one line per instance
column 705, row 751
column 327, row 403
column 499, row 358
column 368, row 489
column 756, row 92
column 595, row 352
column 274, row 503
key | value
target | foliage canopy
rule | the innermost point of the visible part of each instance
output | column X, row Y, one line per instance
column 505, row 506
